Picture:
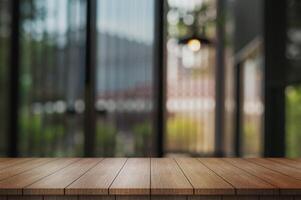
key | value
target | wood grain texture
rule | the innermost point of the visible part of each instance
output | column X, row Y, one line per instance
column 203, row 180
column 168, row 179
column 98, row 180
column 55, row 183
column 243, row 182
column 96, row 197
column 241, row 197
column 134, row 178
column 13, row 197
column 276, row 197
column 128, row 197
column 56, row 197
column 11, row 162
column 15, row 184
column 287, row 161
column 5, row 159
column 204, row 197
column 169, row 197
column 22, row 167
column 279, row 167
column 149, row 178
column 281, row 181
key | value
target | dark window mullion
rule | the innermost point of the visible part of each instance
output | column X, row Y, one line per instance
column 90, row 74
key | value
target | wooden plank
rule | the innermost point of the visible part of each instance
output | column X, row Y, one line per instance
column 288, row 162
column 56, row 183
column 136, row 197
column 13, row 197
column 134, row 178
column 276, row 197
column 241, row 197
column 204, row 197
column 203, row 180
column 98, row 180
column 243, row 182
column 285, row 184
column 169, row 197
column 96, row 197
column 279, row 167
column 56, row 197
column 12, row 162
column 15, row 184
column 168, row 179
column 5, row 159
column 22, row 167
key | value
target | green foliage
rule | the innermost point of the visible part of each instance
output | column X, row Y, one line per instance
column 203, row 24
column 142, row 132
column 293, row 121
column 251, row 138
column 181, row 131
column 105, row 139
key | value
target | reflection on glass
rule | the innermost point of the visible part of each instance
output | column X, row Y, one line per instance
column 293, row 92
column 229, row 114
column 51, row 77
column 4, row 64
column 124, row 77
column 190, row 77
column 252, row 105
column 293, row 117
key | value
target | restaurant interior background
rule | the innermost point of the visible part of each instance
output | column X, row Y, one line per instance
column 150, row 78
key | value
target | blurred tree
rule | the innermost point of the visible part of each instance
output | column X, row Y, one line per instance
column 293, row 121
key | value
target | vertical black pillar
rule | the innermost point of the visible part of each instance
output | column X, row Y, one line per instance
column 90, row 114
column 14, row 80
column 275, row 64
column 159, row 80
column 238, row 109
column 219, row 80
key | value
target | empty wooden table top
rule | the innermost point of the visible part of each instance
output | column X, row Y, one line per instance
column 150, row 176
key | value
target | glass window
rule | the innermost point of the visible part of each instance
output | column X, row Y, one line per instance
column 52, row 77
column 252, row 104
column 190, row 77
column 293, row 91
column 229, row 114
column 293, row 118
column 124, row 87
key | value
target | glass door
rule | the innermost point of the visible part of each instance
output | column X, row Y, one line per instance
column 124, row 78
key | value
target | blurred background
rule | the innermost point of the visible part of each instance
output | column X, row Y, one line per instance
column 150, row 78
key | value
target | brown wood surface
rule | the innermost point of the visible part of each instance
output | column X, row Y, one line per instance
column 131, row 197
column 204, row 197
column 203, row 180
column 287, row 161
column 15, row 184
column 98, row 180
column 279, row 167
column 243, row 182
column 167, row 178
column 4, row 159
column 22, row 167
column 55, row 183
column 15, row 197
column 149, row 178
column 134, row 178
column 275, row 178
column 11, row 162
